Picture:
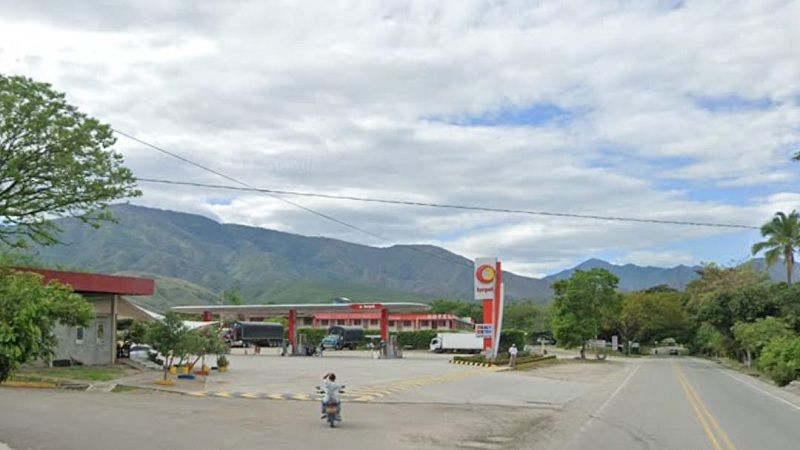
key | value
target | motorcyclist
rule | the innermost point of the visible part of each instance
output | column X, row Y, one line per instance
column 331, row 394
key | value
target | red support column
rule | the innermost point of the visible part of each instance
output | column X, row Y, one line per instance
column 384, row 325
column 498, row 303
column 488, row 308
column 207, row 317
column 292, row 329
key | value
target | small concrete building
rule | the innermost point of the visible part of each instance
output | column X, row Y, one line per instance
column 97, row 343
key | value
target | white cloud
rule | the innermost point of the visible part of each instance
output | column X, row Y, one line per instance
column 338, row 97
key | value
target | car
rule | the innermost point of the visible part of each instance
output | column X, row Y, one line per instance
column 141, row 352
column 674, row 351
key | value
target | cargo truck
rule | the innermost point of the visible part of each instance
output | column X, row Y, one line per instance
column 456, row 343
column 263, row 334
column 340, row 337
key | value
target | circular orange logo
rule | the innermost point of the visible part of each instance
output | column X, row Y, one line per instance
column 485, row 274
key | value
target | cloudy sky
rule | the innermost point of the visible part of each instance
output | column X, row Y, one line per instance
column 663, row 109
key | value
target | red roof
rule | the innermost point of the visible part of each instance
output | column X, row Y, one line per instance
column 376, row 316
column 96, row 283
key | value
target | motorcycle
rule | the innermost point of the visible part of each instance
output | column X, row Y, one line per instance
column 332, row 409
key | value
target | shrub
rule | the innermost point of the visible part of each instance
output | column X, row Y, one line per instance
column 313, row 335
column 508, row 337
column 780, row 360
column 418, row 340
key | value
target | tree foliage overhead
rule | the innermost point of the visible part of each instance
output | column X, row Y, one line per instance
column 584, row 304
column 54, row 162
column 783, row 239
column 29, row 310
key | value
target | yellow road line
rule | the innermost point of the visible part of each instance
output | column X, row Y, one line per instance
column 708, row 414
column 704, row 416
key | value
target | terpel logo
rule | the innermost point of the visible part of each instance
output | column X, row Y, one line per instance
column 486, row 274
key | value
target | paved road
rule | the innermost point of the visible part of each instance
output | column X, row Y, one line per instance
column 687, row 403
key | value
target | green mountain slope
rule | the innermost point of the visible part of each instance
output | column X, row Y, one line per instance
column 264, row 265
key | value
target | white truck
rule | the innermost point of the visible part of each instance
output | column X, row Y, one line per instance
column 456, row 343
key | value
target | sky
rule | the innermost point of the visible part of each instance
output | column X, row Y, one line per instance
column 662, row 109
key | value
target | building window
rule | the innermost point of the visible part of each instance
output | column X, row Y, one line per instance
column 424, row 323
column 406, row 323
column 357, row 322
column 308, row 321
column 324, row 322
column 391, row 323
column 373, row 321
column 340, row 322
column 79, row 335
column 101, row 333
column 442, row 323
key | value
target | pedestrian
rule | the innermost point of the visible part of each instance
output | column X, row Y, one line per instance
column 321, row 348
column 512, row 356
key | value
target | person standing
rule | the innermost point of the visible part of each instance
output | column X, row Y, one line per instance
column 512, row 356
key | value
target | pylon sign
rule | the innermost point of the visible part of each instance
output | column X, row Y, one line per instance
column 488, row 281
column 485, row 278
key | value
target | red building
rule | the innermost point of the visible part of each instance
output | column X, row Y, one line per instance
column 397, row 322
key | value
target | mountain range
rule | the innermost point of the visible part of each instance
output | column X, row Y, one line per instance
column 194, row 259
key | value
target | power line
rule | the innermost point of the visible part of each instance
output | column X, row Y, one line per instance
column 247, row 186
column 451, row 206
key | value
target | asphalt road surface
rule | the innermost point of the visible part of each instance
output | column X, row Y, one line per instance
column 687, row 403
column 650, row 403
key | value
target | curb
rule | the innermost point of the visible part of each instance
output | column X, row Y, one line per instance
column 504, row 366
column 470, row 363
column 29, row 384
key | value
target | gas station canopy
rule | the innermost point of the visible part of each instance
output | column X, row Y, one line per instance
column 303, row 309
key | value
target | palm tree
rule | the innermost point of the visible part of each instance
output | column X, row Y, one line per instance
column 783, row 233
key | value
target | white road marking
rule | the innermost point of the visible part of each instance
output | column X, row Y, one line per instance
column 613, row 394
column 571, row 441
column 763, row 391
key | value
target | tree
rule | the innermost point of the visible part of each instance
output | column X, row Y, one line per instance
column 167, row 337
column 54, row 162
column 472, row 309
column 651, row 314
column 783, row 233
column 232, row 297
column 526, row 316
column 752, row 337
column 584, row 303
column 29, row 310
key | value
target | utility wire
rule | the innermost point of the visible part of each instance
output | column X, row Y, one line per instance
column 249, row 187
column 451, row 206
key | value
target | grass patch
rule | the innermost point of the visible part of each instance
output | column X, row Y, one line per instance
column 84, row 373
column 122, row 388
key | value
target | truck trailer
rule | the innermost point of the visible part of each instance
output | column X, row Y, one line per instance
column 456, row 343
column 264, row 334
column 340, row 337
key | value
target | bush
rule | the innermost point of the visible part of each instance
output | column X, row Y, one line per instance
column 313, row 335
column 780, row 360
column 522, row 358
column 508, row 337
column 418, row 340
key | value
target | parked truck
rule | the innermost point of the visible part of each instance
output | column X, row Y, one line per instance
column 340, row 337
column 264, row 334
column 456, row 343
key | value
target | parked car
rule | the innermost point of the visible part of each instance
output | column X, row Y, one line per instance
column 142, row 352
column 674, row 351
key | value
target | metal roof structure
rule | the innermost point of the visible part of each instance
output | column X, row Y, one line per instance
column 95, row 283
column 304, row 309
